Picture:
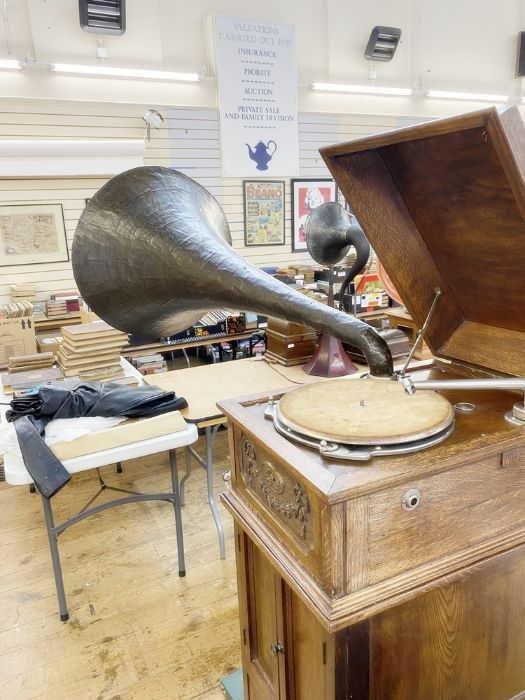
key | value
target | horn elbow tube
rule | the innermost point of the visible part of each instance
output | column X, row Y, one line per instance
column 283, row 302
column 378, row 354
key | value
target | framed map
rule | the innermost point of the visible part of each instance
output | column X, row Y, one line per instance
column 263, row 212
column 32, row 233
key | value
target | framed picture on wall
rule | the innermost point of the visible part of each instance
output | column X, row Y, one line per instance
column 263, row 212
column 306, row 196
column 32, row 233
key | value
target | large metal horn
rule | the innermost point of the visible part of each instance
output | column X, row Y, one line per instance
column 152, row 253
column 329, row 235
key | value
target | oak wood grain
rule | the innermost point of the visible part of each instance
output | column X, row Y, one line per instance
column 358, row 541
column 443, row 205
column 462, row 641
column 467, row 506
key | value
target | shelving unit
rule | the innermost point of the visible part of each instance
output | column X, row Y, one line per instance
column 138, row 350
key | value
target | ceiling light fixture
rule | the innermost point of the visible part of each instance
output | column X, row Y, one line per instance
column 9, row 64
column 360, row 89
column 107, row 71
column 478, row 97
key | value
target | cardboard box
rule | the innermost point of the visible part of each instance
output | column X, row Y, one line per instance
column 17, row 337
column 43, row 346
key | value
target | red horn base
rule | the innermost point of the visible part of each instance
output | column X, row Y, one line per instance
column 329, row 359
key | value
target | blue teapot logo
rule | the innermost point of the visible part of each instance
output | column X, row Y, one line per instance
column 262, row 153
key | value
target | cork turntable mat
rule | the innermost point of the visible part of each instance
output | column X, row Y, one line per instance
column 364, row 411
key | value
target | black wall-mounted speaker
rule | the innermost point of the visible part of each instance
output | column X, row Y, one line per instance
column 103, row 16
column 382, row 44
column 520, row 63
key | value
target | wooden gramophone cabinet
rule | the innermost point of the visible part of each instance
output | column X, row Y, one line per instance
column 403, row 578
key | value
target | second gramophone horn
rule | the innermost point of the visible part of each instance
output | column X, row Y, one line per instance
column 151, row 254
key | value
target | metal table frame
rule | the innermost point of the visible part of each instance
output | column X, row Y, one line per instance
column 17, row 474
column 210, row 432
column 53, row 531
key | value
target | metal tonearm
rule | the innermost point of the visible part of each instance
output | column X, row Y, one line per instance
column 516, row 416
column 421, row 332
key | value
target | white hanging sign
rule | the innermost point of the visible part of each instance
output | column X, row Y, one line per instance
column 257, row 82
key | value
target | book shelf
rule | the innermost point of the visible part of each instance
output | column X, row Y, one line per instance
column 131, row 351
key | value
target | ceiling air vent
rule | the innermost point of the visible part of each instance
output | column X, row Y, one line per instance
column 103, row 16
column 382, row 43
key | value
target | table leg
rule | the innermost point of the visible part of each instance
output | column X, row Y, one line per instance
column 211, row 432
column 55, row 558
column 178, row 514
column 186, row 476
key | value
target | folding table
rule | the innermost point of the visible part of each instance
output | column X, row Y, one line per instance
column 17, row 474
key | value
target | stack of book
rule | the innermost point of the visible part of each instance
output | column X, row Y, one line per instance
column 91, row 351
column 150, row 364
column 219, row 322
column 19, row 383
column 71, row 300
column 236, row 324
column 24, row 363
column 304, row 273
column 56, row 307
column 16, row 309
column 23, row 292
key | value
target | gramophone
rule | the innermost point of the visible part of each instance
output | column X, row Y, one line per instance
column 330, row 234
column 152, row 252
column 399, row 572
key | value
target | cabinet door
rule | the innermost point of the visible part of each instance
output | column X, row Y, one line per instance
column 261, row 647
column 308, row 658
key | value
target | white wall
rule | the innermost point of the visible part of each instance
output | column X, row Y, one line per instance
column 189, row 142
column 463, row 45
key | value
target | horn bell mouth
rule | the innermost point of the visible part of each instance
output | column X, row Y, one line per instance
column 152, row 253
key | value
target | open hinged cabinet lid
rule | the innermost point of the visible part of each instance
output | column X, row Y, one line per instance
column 443, row 205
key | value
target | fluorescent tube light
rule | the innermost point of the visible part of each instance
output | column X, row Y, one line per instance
column 9, row 64
column 123, row 72
column 478, row 97
column 363, row 89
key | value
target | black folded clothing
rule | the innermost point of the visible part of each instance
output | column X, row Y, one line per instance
column 63, row 400
column 70, row 400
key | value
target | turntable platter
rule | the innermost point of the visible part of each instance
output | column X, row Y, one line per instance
column 367, row 411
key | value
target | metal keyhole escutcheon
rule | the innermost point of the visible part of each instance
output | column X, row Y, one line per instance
column 277, row 648
column 411, row 499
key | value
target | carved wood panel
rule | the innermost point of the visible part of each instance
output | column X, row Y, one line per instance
column 285, row 497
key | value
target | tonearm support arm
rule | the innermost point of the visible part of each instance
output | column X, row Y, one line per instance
column 516, row 416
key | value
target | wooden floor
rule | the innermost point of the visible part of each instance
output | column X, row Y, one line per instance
column 136, row 629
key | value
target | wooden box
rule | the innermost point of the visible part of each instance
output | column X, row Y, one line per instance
column 289, row 343
column 404, row 577
column 49, row 343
